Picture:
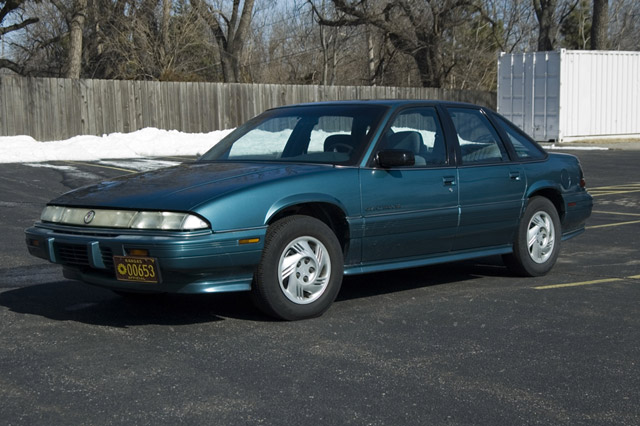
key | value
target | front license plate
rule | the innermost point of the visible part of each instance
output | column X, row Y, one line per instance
column 136, row 269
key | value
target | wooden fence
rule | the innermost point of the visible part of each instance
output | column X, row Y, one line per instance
column 55, row 108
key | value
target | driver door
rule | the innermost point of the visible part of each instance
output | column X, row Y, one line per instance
column 410, row 211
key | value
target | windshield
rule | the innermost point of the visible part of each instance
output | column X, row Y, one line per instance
column 330, row 134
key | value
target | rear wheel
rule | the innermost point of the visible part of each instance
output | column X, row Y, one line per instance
column 537, row 243
column 300, row 272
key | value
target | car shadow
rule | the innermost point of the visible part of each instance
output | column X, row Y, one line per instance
column 66, row 300
column 380, row 283
column 75, row 301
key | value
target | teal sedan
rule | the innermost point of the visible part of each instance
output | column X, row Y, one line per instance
column 299, row 196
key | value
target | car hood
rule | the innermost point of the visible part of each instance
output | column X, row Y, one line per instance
column 180, row 188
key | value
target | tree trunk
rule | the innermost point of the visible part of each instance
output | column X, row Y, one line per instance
column 371, row 57
column 166, row 17
column 599, row 25
column 232, row 43
column 74, row 58
column 430, row 68
column 325, row 56
column 546, row 27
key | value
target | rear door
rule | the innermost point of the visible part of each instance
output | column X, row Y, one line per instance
column 410, row 211
column 491, row 186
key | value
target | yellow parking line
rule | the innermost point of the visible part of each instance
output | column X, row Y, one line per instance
column 626, row 185
column 614, row 190
column 599, row 194
column 613, row 224
column 616, row 213
column 606, row 280
column 102, row 166
column 602, row 281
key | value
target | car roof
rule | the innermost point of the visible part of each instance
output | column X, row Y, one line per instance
column 392, row 103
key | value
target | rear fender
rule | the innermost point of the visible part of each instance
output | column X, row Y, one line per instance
column 551, row 190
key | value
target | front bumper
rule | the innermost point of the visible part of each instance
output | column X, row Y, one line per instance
column 189, row 262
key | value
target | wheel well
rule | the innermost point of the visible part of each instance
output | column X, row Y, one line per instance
column 330, row 214
column 553, row 196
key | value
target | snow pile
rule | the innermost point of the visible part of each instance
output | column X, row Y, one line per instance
column 148, row 142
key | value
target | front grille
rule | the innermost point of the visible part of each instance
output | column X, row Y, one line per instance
column 107, row 257
column 72, row 254
column 77, row 256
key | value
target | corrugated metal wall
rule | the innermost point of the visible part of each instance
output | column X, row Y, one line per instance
column 528, row 92
column 568, row 95
column 600, row 93
column 53, row 108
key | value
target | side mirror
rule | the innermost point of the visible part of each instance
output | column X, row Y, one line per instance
column 395, row 158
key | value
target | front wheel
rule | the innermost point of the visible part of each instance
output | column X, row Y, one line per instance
column 300, row 272
column 537, row 243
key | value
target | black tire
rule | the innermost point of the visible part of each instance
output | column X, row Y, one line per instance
column 310, row 253
column 540, row 220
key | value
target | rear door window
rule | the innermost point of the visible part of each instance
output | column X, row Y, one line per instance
column 478, row 139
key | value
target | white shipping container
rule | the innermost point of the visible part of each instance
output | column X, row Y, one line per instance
column 571, row 95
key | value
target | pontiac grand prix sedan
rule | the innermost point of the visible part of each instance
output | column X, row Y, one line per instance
column 299, row 196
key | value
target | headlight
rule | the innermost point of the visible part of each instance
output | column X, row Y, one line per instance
column 101, row 218
column 167, row 220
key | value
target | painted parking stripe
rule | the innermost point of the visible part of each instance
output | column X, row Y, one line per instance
column 583, row 283
column 616, row 213
column 614, row 190
column 608, row 225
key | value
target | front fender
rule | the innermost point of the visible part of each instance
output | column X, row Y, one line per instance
column 297, row 199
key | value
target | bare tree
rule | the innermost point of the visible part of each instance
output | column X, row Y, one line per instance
column 624, row 25
column 230, row 33
column 76, row 29
column 513, row 24
column 8, row 8
column 551, row 15
column 546, row 33
column 419, row 29
column 575, row 30
column 600, row 25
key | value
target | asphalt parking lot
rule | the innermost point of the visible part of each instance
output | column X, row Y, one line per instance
column 458, row 344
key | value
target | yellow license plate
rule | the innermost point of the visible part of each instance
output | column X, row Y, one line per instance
column 136, row 269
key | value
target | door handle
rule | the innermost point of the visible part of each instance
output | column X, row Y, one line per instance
column 449, row 180
column 514, row 175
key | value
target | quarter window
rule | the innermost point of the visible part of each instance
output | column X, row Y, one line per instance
column 479, row 141
column 525, row 149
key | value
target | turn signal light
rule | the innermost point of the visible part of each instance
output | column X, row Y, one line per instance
column 139, row 252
